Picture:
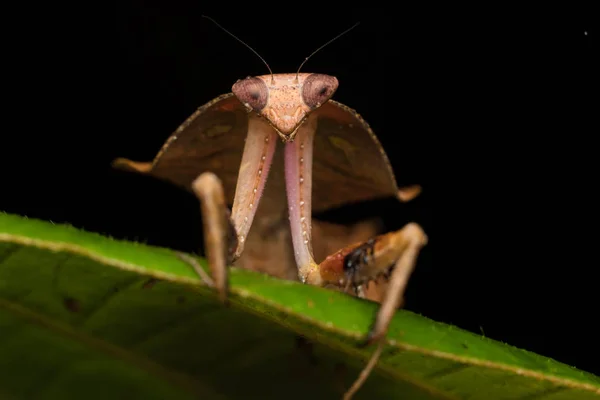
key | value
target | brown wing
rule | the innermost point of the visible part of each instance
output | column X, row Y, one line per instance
column 211, row 139
column 349, row 164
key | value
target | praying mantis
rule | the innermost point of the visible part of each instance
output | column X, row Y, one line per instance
column 317, row 154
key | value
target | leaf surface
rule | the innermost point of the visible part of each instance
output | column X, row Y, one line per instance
column 86, row 316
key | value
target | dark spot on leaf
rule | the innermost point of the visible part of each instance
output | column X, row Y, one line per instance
column 71, row 304
column 302, row 342
column 149, row 284
column 393, row 352
column 306, row 347
column 181, row 299
column 464, row 346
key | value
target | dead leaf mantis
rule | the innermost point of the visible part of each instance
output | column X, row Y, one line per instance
column 226, row 150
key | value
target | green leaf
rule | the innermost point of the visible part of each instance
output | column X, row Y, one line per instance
column 85, row 316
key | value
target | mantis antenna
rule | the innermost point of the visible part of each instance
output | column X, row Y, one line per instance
column 240, row 40
column 313, row 53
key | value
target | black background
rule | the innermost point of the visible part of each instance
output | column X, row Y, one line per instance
column 489, row 109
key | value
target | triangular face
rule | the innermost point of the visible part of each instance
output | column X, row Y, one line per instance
column 285, row 100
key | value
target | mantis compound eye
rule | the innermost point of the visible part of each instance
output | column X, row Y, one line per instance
column 317, row 89
column 253, row 92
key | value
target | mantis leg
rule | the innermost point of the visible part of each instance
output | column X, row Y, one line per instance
column 220, row 235
column 224, row 231
column 391, row 256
